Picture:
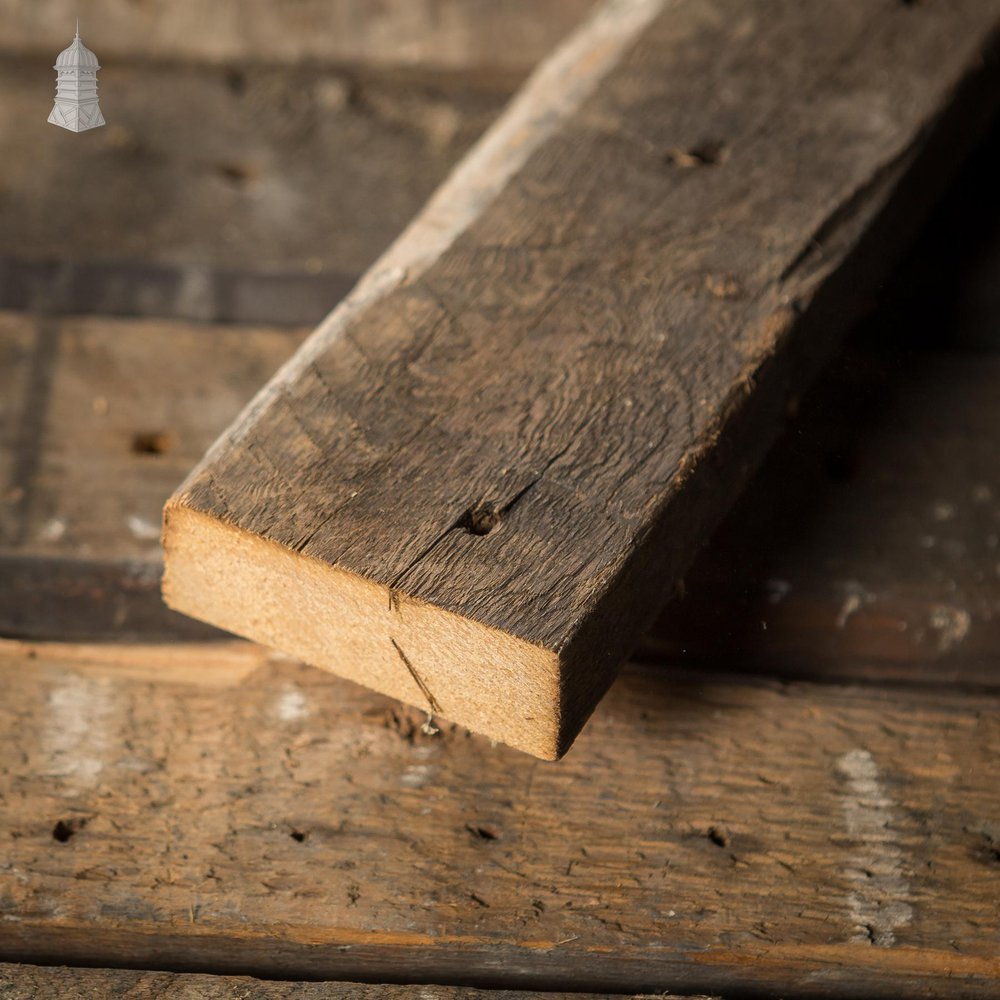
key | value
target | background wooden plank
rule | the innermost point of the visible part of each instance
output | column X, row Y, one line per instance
column 468, row 368
column 216, row 808
column 251, row 194
column 31, row 982
column 869, row 547
column 101, row 418
column 455, row 34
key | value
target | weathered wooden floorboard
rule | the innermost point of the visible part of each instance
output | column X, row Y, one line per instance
column 445, row 34
column 869, row 544
column 213, row 807
column 254, row 194
column 32, row 982
column 474, row 484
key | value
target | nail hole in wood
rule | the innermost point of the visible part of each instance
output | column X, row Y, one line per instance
column 705, row 154
column 237, row 174
column 299, row 836
column 152, row 442
column 236, row 81
column 719, row 836
column 483, row 831
column 482, row 518
column 65, row 829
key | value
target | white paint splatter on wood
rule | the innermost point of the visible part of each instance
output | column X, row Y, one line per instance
column 951, row 625
column 76, row 735
column 291, row 704
column 143, row 530
column 53, row 529
column 856, row 598
column 880, row 892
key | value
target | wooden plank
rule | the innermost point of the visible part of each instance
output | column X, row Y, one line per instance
column 99, row 421
column 219, row 203
column 219, row 808
column 471, row 486
column 452, row 34
column 882, row 430
column 30, row 982
column 841, row 595
column 869, row 545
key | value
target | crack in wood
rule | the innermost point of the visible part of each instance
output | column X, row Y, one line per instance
column 425, row 690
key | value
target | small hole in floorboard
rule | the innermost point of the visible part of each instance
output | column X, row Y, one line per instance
column 236, row 174
column 152, row 442
column 719, row 836
column 65, row 829
column 481, row 518
column 483, row 831
column 236, row 81
column 299, row 836
column 705, row 154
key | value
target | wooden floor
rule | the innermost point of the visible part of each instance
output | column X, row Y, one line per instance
column 792, row 791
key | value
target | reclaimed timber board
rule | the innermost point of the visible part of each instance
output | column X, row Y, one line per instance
column 220, row 808
column 32, row 982
column 251, row 194
column 868, row 546
column 440, row 34
column 475, row 484
column 801, row 578
column 99, row 420
column 798, row 580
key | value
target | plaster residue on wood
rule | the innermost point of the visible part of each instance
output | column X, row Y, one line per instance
column 856, row 597
column 879, row 898
column 950, row 625
column 76, row 736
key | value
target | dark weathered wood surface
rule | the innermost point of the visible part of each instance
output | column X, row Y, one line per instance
column 213, row 807
column 869, row 545
column 533, row 411
column 248, row 194
column 32, row 982
column 866, row 547
column 452, row 34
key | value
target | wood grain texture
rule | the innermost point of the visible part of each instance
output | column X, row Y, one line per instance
column 801, row 578
column 869, row 544
column 487, row 467
column 32, row 982
column 217, row 808
column 254, row 194
column 99, row 421
column 451, row 34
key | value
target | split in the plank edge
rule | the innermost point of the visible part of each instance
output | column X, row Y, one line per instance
column 474, row 486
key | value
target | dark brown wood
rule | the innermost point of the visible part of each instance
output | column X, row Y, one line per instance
column 32, row 982
column 869, row 545
column 213, row 807
column 497, row 454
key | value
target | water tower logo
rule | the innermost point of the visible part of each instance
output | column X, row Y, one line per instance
column 76, row 106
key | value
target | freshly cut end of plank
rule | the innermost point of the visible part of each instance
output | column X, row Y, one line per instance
column 364, row 631
column 476, row 483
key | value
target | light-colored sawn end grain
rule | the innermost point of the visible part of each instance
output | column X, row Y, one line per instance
column 452, row 667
